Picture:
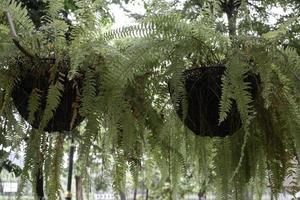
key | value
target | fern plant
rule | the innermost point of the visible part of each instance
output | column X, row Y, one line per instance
column 263, row 147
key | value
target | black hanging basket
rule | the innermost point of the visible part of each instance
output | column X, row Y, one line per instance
column 62, row 117
column 204, row 90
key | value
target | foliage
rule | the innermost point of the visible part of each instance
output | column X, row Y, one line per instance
column 129, row 121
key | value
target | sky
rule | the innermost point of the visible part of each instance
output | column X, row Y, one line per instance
column 121, row 19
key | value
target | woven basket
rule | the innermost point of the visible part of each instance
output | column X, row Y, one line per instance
column 62, row 117
column 203, row 93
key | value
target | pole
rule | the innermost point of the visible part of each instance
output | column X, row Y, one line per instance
column 70, row 172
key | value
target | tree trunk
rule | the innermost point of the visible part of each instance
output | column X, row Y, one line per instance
column 134, row 194
column 39, row 177
column 147, row 194
column 122, row 195
column 231, row 24
column 231, row 7
column 70, row 170
column 79, row 190
column 39, row 187
column 201, row 196
column 1, row 187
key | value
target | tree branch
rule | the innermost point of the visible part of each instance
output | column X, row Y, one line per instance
column 15, row 36
column 134, row 15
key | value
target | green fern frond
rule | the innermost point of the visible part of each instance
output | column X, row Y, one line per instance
column 53, row 189
column 119, row 174
column 9, row 84
column 88, row 93
column 6, row 45
column 31, row 158
column 226, row 98
column 167, row 26
column 54, row 8
column 20, row 16
column 48, row 156
column 140, row 30
column 34, row 103
column 53, row 100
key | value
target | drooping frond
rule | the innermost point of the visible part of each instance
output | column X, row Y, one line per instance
column 31, row 161
column 53, row 99
column 55, row 169
column 33, row 104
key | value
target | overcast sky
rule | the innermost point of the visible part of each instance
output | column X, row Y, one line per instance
column 121, row 19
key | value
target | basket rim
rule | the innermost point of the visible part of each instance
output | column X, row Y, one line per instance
column 203, row 68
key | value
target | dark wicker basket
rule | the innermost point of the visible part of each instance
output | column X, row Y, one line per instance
column 204, row 90
column 62, row 116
